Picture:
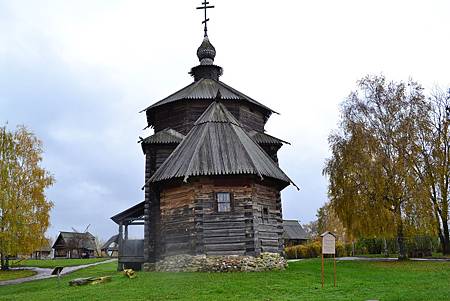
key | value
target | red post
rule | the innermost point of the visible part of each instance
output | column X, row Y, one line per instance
column 322, row 270
column 334, row 270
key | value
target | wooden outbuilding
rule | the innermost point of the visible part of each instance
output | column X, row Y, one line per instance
column 44, row 252
column 74, row 245
column 293, row 233
column 212, row 180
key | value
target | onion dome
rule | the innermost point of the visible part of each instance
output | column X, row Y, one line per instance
column 206, row 52
column 206, row 69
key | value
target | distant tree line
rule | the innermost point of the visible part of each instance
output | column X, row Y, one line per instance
column 389, row 171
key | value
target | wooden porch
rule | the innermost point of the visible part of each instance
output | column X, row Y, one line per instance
column 131, row 251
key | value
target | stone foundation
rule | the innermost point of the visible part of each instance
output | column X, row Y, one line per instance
column 203, row 263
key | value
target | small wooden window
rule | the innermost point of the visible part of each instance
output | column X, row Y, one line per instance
column 223, row 201
column 265, row 215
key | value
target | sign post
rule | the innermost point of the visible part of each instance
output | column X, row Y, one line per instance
column 328, row 247
column 57, row 271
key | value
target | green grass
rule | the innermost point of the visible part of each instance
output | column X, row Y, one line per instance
column 52, row 263
column 377, row 255
column 440, row 255
column 434, row 255
column 301, row 281
column 15, row 274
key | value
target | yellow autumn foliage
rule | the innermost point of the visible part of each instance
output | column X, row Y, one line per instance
column 24, row 208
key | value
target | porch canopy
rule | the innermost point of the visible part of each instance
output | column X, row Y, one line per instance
column 130, row 215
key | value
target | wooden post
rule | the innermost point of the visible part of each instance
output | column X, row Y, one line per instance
column 119, row 249
column 126, row 231
column 334, row 270
column 322, row 270
column 120, row 238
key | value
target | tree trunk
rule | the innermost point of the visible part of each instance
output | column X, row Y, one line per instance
column 385, row 251
column 401, row 244
column 400, row 235
column 445, row 239
column 6, row 263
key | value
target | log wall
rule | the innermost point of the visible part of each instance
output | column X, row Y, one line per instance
column 190, row 223
column 268, row 219
column 177, row 227
column 181, row 116
column 224, row 233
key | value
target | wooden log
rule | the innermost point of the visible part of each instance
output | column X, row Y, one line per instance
column 89, row 281
column 225, row 247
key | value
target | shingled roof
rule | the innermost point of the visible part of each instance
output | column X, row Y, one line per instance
column 263, row 138
column 85, row 239
column 293, row 230
column 218, row 145
column 165, row 136
column 207, row 88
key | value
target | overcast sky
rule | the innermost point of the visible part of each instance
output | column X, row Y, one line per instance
column 78, row 72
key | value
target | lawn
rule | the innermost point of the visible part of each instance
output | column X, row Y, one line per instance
column 434, row 255
column 14, row 274
column 52, row 263
column 301, row 281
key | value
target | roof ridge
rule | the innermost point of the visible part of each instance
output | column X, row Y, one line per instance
column 248, row 152
column 186, row 176
column 208, row 115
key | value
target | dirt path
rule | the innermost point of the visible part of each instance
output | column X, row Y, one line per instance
column 43, row 273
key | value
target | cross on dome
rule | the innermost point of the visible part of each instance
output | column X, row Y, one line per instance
column 205, row 21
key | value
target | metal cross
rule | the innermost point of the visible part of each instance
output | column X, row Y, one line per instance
column 205, row 7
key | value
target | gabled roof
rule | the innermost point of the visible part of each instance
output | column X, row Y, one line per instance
column 293, row 230
column 207, row 88
column 85, row 240
column 218, row 145
column 327, row 233
column 165, row 136
column 263, row 138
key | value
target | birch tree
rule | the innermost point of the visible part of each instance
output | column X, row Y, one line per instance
column 24, row 208
column 432, row 165
column 373, row 188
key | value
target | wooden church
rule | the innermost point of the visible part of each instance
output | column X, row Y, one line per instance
column 212, row 180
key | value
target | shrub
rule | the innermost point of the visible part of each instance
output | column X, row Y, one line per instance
column 312, row 249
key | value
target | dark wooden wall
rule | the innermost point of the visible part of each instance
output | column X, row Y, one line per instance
column 181, row 115
column 224, row 233
column 268, row 219
column 272, row 151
